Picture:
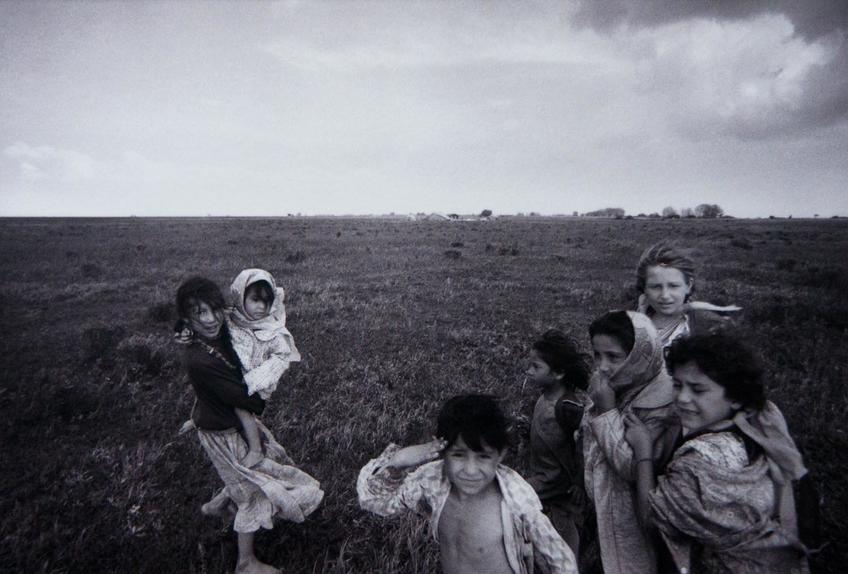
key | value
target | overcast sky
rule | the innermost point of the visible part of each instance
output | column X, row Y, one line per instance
column 179, row 108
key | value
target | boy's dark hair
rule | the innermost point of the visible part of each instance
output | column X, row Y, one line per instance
column 562, row 354
column 616, row 324
column 195, row 290
column 263, row 288
column 727, row 361
column 477, row 418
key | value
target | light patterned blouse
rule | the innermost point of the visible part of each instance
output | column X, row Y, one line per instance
column 529, row 537
column 715, row 510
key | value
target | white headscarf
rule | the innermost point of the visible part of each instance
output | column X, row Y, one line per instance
column 273, row 324
column 643, row 364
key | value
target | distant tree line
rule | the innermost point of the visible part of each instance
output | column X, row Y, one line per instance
column 702, row 211
column 606, row 212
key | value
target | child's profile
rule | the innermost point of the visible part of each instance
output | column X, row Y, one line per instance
column 559, row 372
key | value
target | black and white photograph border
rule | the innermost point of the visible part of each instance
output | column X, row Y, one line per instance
column 428, row 188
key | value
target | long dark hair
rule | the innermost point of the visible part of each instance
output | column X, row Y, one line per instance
column 562, row 354
column 189, row 294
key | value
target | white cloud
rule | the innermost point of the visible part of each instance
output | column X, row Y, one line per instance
column 31, row 172
column 352, row 37
column 48, row 162
column 751, row 79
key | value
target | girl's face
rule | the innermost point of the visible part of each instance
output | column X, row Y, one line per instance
column 204, row 321
column 539, row 373
column 666, row 289
column 609, row 354
column 255, row 303
column 699, row 401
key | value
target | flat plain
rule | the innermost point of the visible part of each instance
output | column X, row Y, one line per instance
column 392, row 317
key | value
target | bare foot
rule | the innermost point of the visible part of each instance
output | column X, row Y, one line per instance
column 217, row 506
column 254, row 566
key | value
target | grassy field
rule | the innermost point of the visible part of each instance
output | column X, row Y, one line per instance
column 392, row 317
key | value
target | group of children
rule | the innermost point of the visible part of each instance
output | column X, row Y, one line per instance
column 665, row 454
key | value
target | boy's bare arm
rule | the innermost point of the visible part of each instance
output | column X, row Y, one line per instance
column 416, row 455
column 385, row 487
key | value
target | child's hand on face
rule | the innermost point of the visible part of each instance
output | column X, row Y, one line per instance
column 636, row 433
column 602, row 395
column 251, row 458
column 418, row 454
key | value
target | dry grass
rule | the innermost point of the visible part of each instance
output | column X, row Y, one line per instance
column 94, row 478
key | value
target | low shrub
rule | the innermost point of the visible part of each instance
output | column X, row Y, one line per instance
column 295, row 257
column 100, row 344
column 162, row 312
column 91, row 271
column 741, row 243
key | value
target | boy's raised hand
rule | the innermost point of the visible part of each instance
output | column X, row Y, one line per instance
column 636, row 433
column 417, row 454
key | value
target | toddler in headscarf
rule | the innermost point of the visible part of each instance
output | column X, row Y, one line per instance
column 265, row 348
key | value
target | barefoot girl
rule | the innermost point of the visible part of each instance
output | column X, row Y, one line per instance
column 559, row 371
column 665, row 279
column 629, row 378
column 724, row 501
column 265, row 348
column 267, row 489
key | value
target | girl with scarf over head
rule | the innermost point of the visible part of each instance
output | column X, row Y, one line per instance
column 665, row 279
column 629, row 379
column 261, row 491
column 724, row 502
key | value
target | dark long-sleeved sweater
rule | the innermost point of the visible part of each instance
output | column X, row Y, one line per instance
column 219, row 388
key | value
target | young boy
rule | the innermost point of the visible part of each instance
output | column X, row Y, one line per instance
column 484, row 516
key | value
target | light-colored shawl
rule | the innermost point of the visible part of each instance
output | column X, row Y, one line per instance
column 728, row 510
column 768, row 429
column 644, row 307
column 644, row 363
column 642, row 387
column 272, row 325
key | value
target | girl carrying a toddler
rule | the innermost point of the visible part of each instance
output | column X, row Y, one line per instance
column 260, row 479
